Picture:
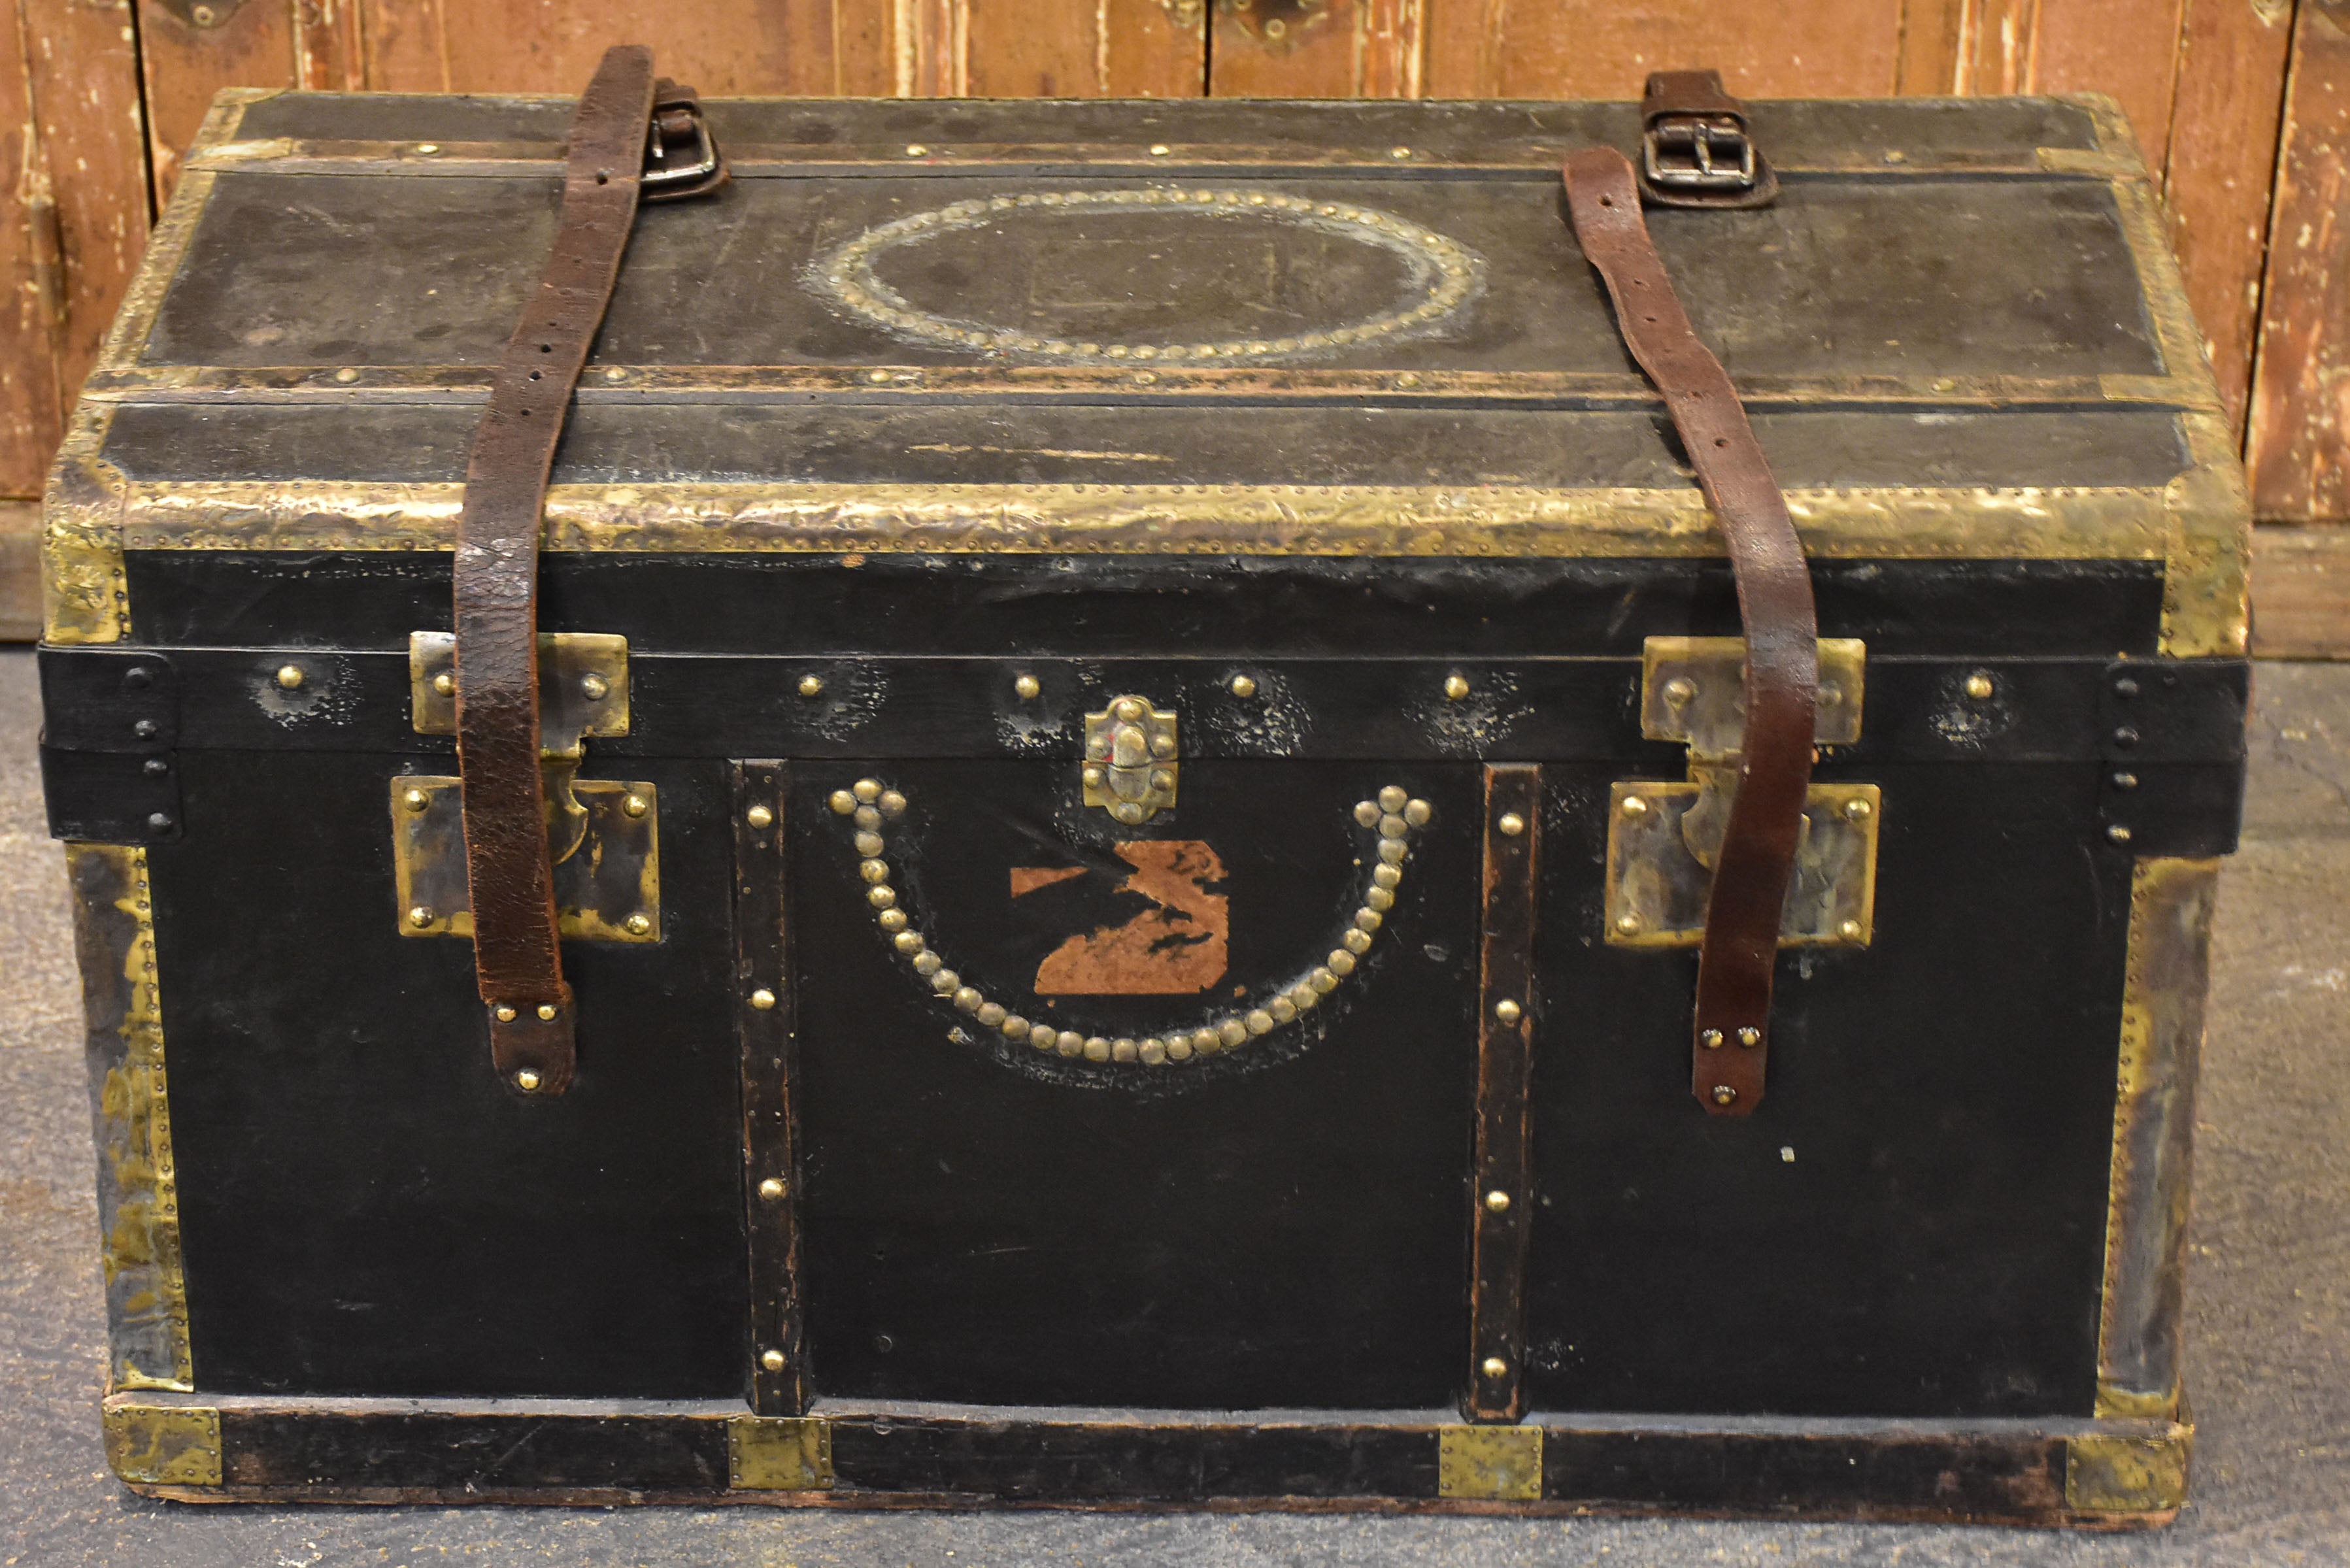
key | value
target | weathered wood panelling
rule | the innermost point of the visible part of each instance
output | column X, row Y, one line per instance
column 32, row 270
column 2299, row 421
column 1508, row 48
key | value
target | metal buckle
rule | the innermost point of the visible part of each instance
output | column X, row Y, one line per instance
column 665, row 180
column 1678, row 151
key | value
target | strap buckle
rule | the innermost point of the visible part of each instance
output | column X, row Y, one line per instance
column 681, row 158
column 1685, row 151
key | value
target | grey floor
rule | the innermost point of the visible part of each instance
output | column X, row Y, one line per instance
column 2270, row 1319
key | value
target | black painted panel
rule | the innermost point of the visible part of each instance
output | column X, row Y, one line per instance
column 365, row 1207
column 1913, row 1219
column 1283, row 1225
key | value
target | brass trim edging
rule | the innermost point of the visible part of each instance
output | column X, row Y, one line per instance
column 163, row 1445
column 85, row 597
column 1498, row 1463
column 2154, row 1129
column 138, row 1192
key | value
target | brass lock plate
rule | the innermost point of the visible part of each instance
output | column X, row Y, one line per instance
column 583, row 686
column 1131, row 768
column 1692, row 690
column 607, row 890
column 1661, row 838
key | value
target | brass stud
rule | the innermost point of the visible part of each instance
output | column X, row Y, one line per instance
column 1096, row 1049
column 1710, row 1039
column 445, row 683
column 1679, row 691
column 1026, row 687
column 1127, row 710
column 1508, row 1012
column 1259, row 1021
column 770, row 1189
column 763, row 999
column 1394, row 827
column 946, row 983
column 289, row 676
column 1243, row 686
column 1092, row 778
column 908, row 943
column 1379, row 898
column 1341, row 961
column 421, row 916
column 1498, row 1202
column 1398, row 151
column 1367, row 813
column 869, row 846
column 1850, row 930
column 1724, row 1095
column 2118, row 833
column 866, row 790
column 594, row 687
column 773, row 1360
column 1633, row 807
column 1455, row 688
column 1386, row 877
column 617, row 373
column 638, row 925
column 811, row 685
column 915, row 150
column 892, row 804
column 1628, row 924
column 841, row 801
column 416, row 800
column 967, row 999
column 427, row 147
column 1857, row 809
column 925, row 964
column 1979, row 686
column 867, row 817
column 527, row 1080
column 991, row 1015
column 1159, row 150
column 761, row 817
column 891, row 919
column 547, row 1012
column 1750, row 1036
column 1511, row 824
column 1357, row 941
column 506, row 1014
column 873, row 871
column 346, row 375
column 636, row 806
column 1417, row 813
column 880, row 896
column 1494, row 1367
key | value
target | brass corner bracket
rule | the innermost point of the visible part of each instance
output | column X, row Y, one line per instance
column 163, row 1445
column 2106, row 1472
column 778, row 1453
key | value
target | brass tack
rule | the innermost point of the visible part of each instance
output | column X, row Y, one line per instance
column 1159, row 150
column 506, row 1015
column 915, row 150
column 1455, row 688
column 1750, row 1036
column 1385, row 877
column 1283, row 1010
column 1724, row 1095
column 1393, row 850
column 1680, row 691
column 880, row 896
column 1243, row 686
column 773, row 1360
column 866, row 816
column 1324, row 980
column 1633, row 807
column 763, row 999
column 1378, row 899
column 873, row 871
column 427, row 147
column 892, row 803
column 1392, row 799
column 445, row 683
column 1979, row 686
column 638, row 925
column 946, row 983
column 1367, row 813
column 289, row 676
column 1511, row 824
column 1231, row 1031
column 866, row 790
column 891, row 919
column 1417, row 812
column 636, row 806
column 420, row 917
column 1508, row 1012
column 1127, row 710
column 770, row 1189
column 1494, row 1367
column 1398, row 151
column 1092, row 778
column 346, row 375
column 925, row 963
column 1124, row 1050
column 1206, row 1042
column 1498, row 1202
column 841, row 801
column 991, row 1015
column 1096, row 1049
column 908, row 942
column 416, row 800
column 595, row 688
column 868, row 845
column 1341, row 961
column 617, row 373
column 1849, row 931
column 1357, row 940
column 2118, row 833
column 1015, row 1027
column 547, row 1012
column 1857, row 809
column 967, row 999
column 1069, row 1042
column 1628, row 924
column 811, row 685
column 1393, row 826
column 1026, row 686
column 527, row 1080
column 1259, row 1021
column 761, row 817
column 1710, row 1039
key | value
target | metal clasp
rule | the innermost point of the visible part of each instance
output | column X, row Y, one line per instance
column 1682, row 150
column 678, row 117
column 1663, row 837
column 1130, row 759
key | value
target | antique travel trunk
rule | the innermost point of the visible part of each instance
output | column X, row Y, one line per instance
column 1137, row 709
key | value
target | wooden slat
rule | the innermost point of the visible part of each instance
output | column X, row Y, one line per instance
column 1330, row 48
column 2221, row 169
column 2301, row 593
column 20, row 571
column 86, row 106
column 2127, row 48
column 32, row 317
column 2301, row 472
column 184, row 63
column 720, row 47
column 1116, row 49
column 1506, row 48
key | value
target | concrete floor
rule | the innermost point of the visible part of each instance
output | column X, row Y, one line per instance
column 2270, row 1293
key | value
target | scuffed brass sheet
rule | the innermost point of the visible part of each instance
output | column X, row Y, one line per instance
column 1660, row 872
column 607, row 890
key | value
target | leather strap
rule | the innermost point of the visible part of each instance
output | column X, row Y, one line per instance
column 509, row 871
column 1695, row 150
column 1740, row 951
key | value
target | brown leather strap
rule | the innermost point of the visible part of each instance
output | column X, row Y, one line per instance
column 1695, row 150
column 507, row 867
column 1741, row 947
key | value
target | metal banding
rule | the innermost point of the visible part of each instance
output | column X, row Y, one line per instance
column 1402, row 816
column 1444, row 273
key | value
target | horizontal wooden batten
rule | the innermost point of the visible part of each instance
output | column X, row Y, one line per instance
column 2053, row 1472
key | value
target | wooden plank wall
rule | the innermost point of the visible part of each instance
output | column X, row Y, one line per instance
column 2242, row 106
